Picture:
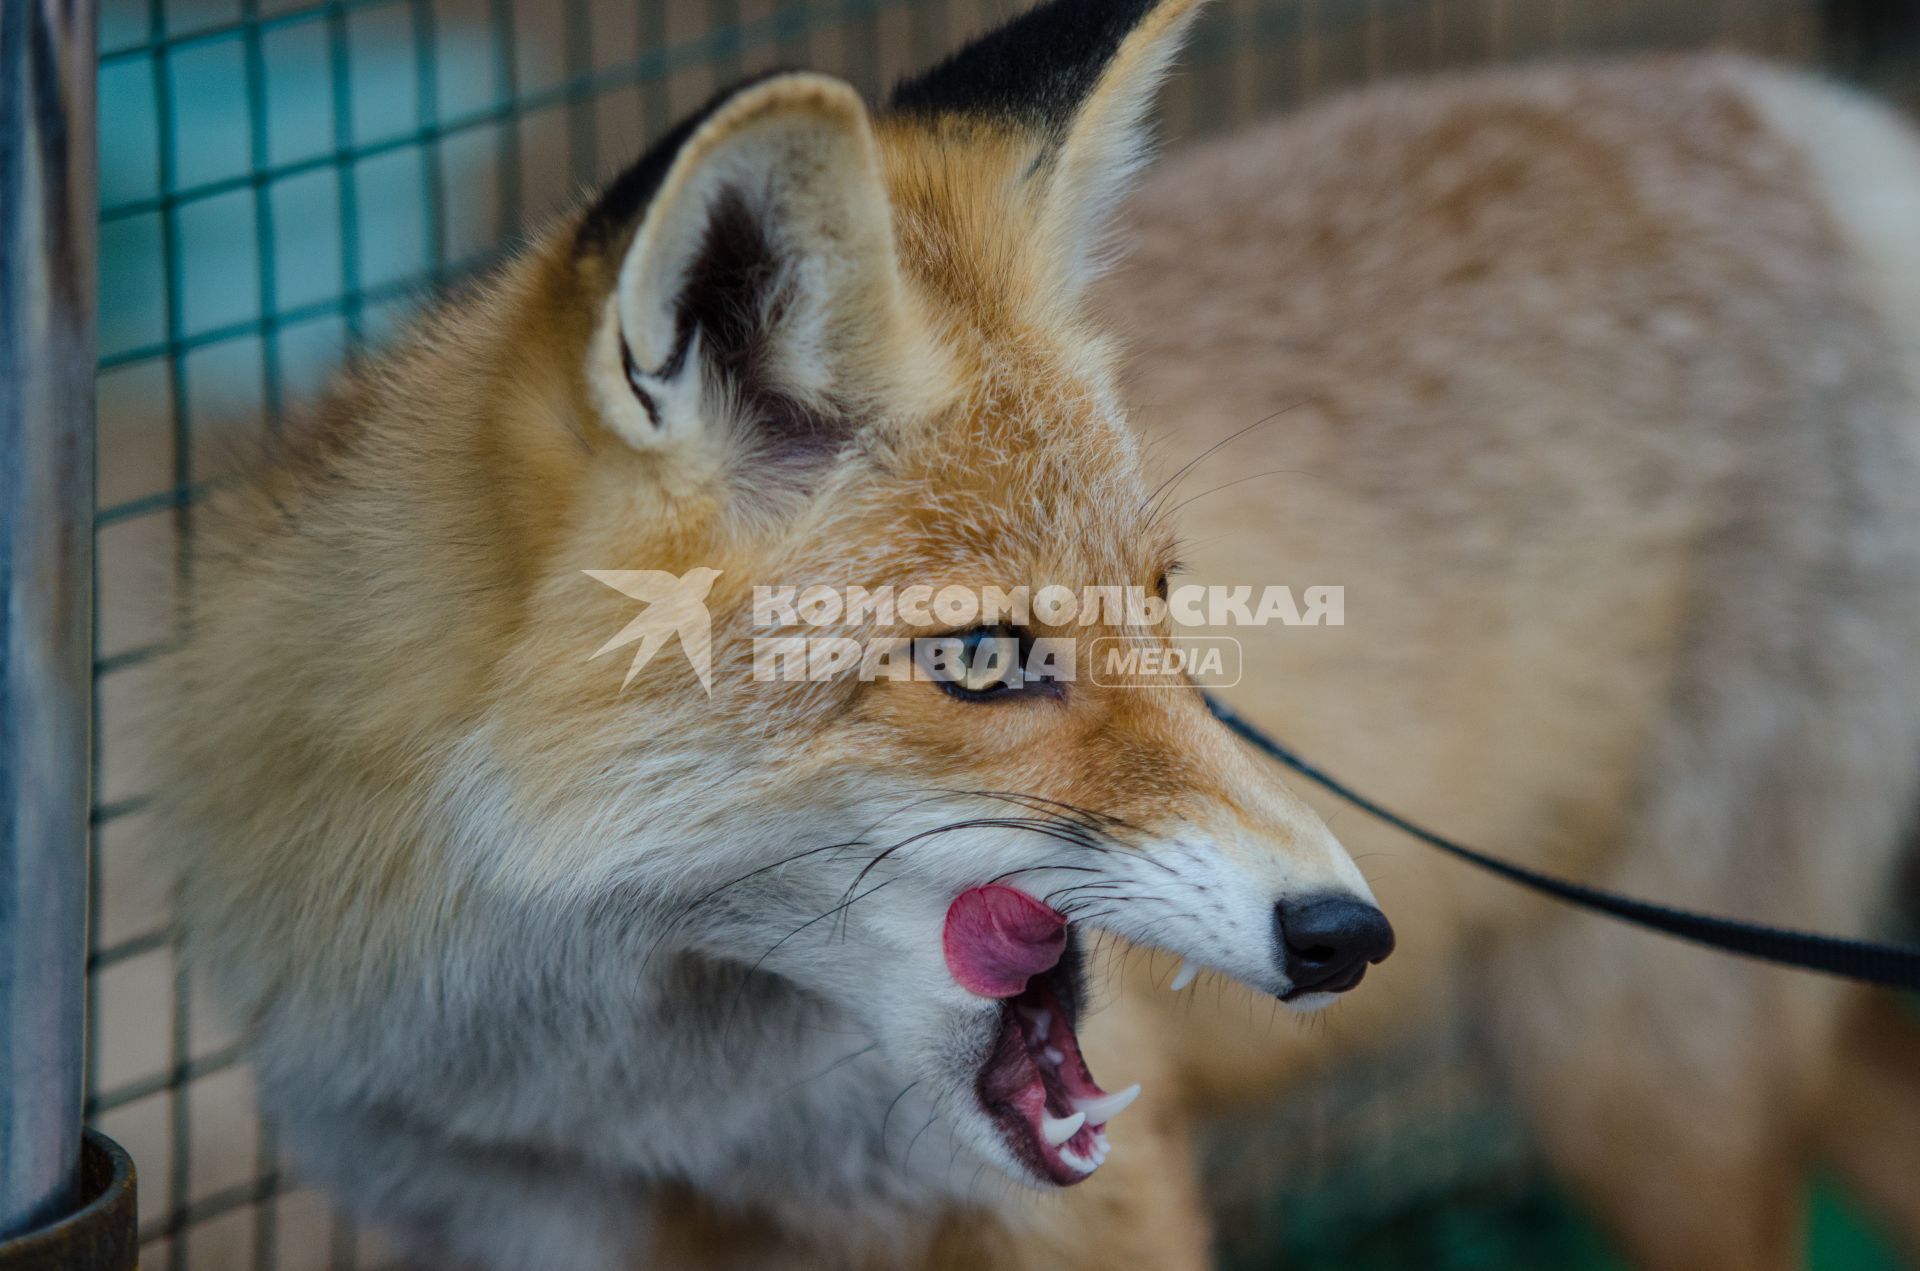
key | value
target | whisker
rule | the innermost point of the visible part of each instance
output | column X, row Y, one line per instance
column 733, row 1010
column 907, row 1160
column 685, row 911
column 836, row 1065
column 1228, row 485
column 1048, row 829
column 1150, row 508
column 891, row 1106
column 1017, row 796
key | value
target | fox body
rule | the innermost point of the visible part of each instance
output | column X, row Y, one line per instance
column 1597, row 390
column 1601, row 389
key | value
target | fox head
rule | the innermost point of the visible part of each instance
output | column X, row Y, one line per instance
column 802, row 341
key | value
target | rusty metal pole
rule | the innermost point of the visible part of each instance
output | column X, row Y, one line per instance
column 47, row 215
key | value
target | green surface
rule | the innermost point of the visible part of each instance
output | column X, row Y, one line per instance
column 1492, row 1227
column 1844, row 1238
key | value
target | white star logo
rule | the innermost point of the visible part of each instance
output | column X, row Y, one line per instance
column 675, row 606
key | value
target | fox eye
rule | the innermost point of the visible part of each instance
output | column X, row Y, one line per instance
column 974, row 665
column 1160, row 585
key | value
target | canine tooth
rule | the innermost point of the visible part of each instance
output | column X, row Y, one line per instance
column 1057, row 1130
column 1107, row 1106
column 1084, row 1164
column 1042, row 1022
column 1184, row 976
column 1055, row 1056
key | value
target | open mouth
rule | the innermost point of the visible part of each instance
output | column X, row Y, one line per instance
column 1034, row 1083
column 1036, row 1086
column 1314, row 996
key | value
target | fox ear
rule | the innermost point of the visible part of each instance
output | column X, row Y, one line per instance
column 1079, row 78
column 758, row 306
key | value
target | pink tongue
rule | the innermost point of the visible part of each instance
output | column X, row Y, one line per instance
column 997, row 938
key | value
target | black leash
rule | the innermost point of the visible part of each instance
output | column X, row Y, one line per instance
column 1894, row 966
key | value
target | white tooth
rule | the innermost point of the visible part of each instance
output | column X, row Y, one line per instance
column 1042, row 1022
column 1057, row 1130
column 1055, row 1056
column 1184, row 976
column 1079, row 1162
column 1107, row 1106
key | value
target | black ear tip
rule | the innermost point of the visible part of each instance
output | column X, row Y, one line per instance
column 625, row 199
column 1036, row 70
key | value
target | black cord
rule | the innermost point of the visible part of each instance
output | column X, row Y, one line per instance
column 1895, row 966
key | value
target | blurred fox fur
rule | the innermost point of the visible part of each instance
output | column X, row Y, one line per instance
column 1597, row 389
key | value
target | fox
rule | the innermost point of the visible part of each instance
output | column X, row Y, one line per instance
column 563, row 938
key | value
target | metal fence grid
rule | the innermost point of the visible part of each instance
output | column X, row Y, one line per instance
column 281, row 180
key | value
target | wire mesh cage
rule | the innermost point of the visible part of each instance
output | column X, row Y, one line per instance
column 282, row 180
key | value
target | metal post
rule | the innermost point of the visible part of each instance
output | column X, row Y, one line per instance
column 47, row 212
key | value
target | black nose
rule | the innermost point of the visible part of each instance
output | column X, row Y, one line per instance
column 1329, row 940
